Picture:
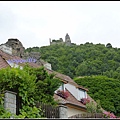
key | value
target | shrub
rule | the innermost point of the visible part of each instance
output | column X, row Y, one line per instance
column 108, row 115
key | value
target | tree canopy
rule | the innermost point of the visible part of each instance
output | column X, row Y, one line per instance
column 88, row 60
column 82, row 60
column 104, row 89
column 31, row 85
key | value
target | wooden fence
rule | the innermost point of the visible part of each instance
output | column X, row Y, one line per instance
column 49, row 111
column 87, row 115
column 53, row 112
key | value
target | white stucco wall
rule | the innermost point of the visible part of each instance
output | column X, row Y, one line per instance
column 73, row 111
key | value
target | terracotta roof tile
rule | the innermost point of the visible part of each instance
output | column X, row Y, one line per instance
column 66, row 79
column 3, row 63
column 12, row 57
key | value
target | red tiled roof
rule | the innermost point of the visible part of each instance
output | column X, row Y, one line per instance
column 3, row 63
column 6, row 57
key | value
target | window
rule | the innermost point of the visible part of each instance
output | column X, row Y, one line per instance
column 81, row 94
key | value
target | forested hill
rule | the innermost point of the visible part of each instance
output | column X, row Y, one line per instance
column 89, row 60
column 82, row 60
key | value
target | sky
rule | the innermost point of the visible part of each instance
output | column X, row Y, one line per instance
column 34, row 22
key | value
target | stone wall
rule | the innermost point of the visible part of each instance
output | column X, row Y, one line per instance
column 63, row 111
column 10, row 101
column 10, row 104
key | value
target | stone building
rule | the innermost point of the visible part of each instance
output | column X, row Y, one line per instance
column 60, row 41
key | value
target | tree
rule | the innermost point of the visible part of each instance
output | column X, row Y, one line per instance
column 94, row 108
column 109, row 45
column 84, row 59
column 104, row 89
column 31, row 85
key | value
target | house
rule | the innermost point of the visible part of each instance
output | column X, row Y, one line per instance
column 75, row 92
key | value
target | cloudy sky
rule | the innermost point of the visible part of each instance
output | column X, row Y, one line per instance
column 33, row 23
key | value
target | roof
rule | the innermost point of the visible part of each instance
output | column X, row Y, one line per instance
column 71, row 100
column 5, row 56
column 3, row 63
column 66, row 79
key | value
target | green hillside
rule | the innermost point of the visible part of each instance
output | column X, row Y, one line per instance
column 105, row 89
column 98, row 62
column 82, row 60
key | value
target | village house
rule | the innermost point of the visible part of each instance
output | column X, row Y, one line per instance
column 74, row 91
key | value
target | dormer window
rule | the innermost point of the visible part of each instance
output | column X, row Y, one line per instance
column 81, row 94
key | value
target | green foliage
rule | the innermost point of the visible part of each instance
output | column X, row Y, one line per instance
column 82, row 60
column 32, row 85
column 94, row 108
column 103, row 88
column 46, row 84
column 86, row 60
column 29, row 112
column 57, row 41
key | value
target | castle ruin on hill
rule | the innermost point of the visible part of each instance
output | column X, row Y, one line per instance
column 60, row 41
column 14, row 47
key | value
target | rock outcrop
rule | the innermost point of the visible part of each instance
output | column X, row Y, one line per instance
column 17, row 47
